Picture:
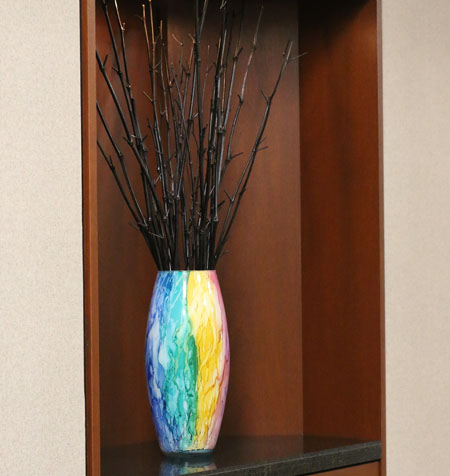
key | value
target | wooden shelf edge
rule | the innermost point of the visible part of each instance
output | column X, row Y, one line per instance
column 90, row 242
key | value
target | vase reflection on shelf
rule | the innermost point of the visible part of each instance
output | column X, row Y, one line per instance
column 179, row 466
column 187, row 360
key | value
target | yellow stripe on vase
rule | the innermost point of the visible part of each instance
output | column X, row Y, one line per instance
column 204, row 313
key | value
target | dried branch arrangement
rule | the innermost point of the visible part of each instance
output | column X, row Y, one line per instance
column 182, row 212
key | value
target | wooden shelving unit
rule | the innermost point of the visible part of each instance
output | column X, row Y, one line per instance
column 305, row 307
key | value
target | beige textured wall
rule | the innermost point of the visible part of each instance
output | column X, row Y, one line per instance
column 41, row 313
column 416, row 62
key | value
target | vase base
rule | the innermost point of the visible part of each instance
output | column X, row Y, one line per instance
column 194, row 454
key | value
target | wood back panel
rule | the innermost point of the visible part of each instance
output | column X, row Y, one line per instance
column 340, row 219
column 261, row 273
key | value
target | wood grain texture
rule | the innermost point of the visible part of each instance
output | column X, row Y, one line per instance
column 372, row 469
column 90, row 239
column 261, row 274
column 341, row 235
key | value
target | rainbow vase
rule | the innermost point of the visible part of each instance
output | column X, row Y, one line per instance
column 187, row 360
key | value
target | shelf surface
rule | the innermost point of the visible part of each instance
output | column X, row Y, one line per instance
column 246, row 456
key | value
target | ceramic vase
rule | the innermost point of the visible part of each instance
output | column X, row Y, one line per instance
column 187, row 360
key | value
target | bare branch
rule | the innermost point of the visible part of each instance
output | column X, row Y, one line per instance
column 192, row 147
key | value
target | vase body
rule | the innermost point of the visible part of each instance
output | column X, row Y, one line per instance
column 187, row 360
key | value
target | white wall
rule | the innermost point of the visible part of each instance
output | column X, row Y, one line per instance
column 416, row 63
column 41, row 300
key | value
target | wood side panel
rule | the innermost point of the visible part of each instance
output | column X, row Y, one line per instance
column 90, row 239
column 372, row 469
column 341, row 241
column 382, row 272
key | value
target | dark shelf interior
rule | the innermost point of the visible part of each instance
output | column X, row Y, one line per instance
column 268, row 455
column 303, row 293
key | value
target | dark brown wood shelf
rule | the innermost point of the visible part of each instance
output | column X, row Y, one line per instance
column 245, row 456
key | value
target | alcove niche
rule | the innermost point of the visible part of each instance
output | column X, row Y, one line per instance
column 303, row 277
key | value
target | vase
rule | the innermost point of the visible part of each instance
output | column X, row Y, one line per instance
column 187, row 360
